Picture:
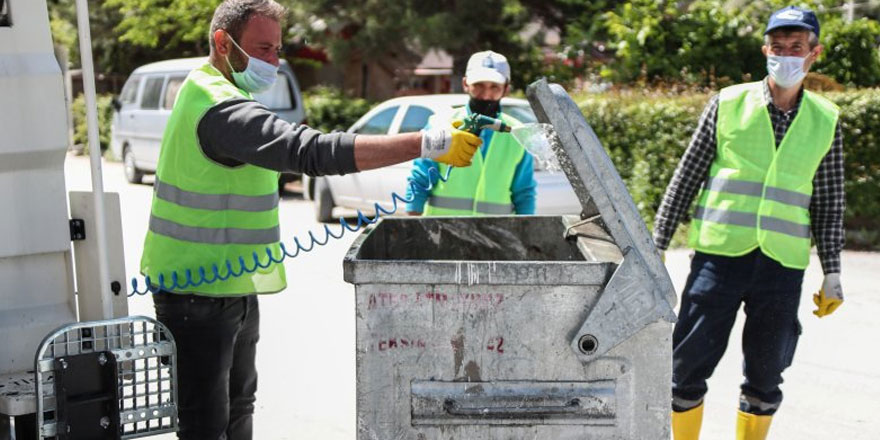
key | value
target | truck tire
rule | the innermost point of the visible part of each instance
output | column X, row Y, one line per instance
column 132, row 173
column 323, row 201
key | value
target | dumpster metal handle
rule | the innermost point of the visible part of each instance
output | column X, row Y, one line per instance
column 454, row 408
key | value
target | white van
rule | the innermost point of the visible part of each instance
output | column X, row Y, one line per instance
column 148, row 95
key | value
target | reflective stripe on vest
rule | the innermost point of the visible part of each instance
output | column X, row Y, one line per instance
column 215, row 202
column 484, row 187
column 751, row 220
column 758, row 194
column 468, row 205
column 214, row 235
column 205, row 214
column 757, row 189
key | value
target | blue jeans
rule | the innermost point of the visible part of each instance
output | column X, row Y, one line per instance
column 216, row 370
column 715, row 289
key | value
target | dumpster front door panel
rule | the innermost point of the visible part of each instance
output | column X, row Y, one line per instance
column 486, row 361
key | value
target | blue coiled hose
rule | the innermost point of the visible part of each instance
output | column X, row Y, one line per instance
column 204, row 278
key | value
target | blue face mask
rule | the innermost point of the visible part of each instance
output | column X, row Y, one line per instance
column 257, row 77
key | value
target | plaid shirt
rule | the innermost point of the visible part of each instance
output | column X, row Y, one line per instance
column 826, row 204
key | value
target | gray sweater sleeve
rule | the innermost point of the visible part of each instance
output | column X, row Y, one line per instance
column 241, row 131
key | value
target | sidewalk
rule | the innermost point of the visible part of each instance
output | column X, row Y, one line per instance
column 832, row 390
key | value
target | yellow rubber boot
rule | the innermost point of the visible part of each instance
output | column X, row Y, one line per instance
column 751, row 426
column 686, row 424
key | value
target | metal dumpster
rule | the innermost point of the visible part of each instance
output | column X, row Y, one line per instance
column 550, row 327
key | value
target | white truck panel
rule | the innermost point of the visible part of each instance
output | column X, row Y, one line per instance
column 36, row 275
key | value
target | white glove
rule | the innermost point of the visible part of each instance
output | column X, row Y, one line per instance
column 449, row 145
column 436, row 142
column 829, row 297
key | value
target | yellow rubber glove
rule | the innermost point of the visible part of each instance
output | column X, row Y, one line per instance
column 449, row 145
column 829, row 297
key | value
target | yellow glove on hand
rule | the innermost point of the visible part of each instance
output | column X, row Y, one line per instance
column 449, row 145
column 829, row 297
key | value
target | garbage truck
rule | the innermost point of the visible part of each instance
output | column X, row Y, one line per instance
column 73, row 364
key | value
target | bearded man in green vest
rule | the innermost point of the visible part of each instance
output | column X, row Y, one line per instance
column 501, row 180
column 767, row 161
column 216, row 201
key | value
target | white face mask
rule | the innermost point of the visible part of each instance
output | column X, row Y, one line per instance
column 257, row 77
column 786, row 71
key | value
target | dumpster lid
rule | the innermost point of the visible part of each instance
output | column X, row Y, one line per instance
column 640, row 291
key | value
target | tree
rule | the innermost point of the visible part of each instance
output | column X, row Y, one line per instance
column 758, row 12
column 128, row 33
column 462, row 28
column 169, row 28
column 699, row 42
column 376, row 28
column 579, row 22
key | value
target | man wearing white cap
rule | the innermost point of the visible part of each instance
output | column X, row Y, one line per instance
column 500, row 179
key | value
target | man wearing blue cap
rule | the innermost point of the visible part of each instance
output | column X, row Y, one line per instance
column 767, row 160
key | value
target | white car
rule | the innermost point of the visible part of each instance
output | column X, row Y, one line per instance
column 406, row 114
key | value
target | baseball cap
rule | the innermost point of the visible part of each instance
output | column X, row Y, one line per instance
column 793, row 16
column 487, row 66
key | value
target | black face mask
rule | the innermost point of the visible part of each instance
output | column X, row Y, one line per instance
column 485, row 106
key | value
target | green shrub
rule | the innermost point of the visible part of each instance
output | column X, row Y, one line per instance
column 702, row 43
column 860, row 121
column 850, row 54
column 80, row 126
column 645, row 136
column 328, row 109
column 706, row 42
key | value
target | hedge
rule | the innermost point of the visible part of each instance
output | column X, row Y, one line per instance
column 646, row 137
column 328, row 109
column 105, row 118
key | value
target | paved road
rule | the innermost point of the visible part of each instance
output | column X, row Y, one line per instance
column 306, row 357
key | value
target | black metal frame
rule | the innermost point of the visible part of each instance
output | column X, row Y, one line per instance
column 86, row 396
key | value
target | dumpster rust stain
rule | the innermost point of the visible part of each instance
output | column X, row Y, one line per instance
column 458, row 351
column 472, row 371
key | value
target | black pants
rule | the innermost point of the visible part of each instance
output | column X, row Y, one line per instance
column 216, row 370
column 715, row 289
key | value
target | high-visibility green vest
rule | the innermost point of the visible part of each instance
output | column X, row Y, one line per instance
column 758, row 195
column 484, row 187
column 205, row 214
